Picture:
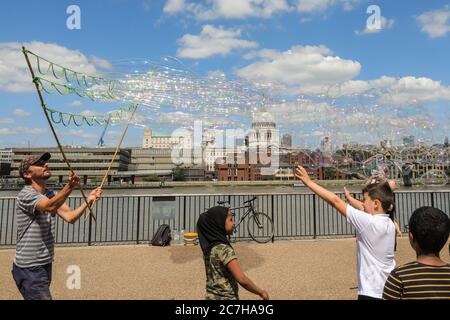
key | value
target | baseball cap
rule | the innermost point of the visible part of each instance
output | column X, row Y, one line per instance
column 32, row 160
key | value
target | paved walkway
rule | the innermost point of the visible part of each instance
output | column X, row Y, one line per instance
column 319, row 269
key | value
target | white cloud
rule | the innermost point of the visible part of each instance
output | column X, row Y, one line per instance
column 301, row 112
column 183, row 119
column 21, row 130
column 385, row 24
column 212, row 41
column 7, row 121
column 90, row 113
column 313, row 70
column 227, row 9
column 114, row 134
column 306, row 69
column 176, row 118
column 21, row 113
column 14, row 73
column 76, row 104
column 82, row 134
column 101, row 63
column 217, row 74
column 174, row 6
column 435, row 23
column 244, row 9
column 264, row 54
column 393, row 91
column 412, row 90
column 314, row 5
column 319, row 6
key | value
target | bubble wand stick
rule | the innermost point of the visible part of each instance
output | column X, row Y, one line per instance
column 118, row 148
column 44, row 108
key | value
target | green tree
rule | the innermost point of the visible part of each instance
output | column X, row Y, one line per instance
column 329, row 174
column 178, row 173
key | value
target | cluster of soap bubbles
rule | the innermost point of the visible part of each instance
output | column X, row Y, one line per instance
column 169, row 93
column 167, row 86
column 422, row 165
column 157, row 87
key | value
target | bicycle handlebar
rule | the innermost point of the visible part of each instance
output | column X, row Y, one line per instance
column 225, row 201
column 251, row 200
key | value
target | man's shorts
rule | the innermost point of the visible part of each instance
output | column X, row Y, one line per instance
column 33, row 283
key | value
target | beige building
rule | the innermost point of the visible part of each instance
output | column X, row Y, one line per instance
column 6, row 155
column 165, row 142
column 88, row 163
column 214, row 155
column 150, row 162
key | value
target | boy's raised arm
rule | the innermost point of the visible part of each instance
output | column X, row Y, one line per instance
column 353, row 202
column 328, row 196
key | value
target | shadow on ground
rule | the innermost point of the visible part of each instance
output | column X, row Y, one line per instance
column 247, row 256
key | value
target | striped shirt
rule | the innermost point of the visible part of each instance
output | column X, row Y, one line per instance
column 416, row 281
column 35, row 230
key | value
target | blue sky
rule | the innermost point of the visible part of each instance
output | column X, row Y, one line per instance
column 326, row 37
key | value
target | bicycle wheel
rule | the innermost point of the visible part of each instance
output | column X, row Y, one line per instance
column 260, row 227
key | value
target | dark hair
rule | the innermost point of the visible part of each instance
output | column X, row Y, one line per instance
column 430, row 228
column 28, row 182
column 382, row 192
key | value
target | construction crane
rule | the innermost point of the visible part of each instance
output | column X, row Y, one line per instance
column 101, row 142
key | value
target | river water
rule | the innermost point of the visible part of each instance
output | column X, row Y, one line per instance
column 275, row 189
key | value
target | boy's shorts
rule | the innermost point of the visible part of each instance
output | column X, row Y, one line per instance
column 33, row 283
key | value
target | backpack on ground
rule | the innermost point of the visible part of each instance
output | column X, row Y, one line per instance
column 162, row 236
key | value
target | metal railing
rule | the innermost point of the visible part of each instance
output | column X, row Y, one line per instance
column 129, row 219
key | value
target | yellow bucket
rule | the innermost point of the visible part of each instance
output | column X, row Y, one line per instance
column 191, row 238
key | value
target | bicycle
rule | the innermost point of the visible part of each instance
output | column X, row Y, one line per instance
column 259, row 225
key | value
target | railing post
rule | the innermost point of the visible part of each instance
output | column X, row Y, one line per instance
column 184, row 212
column 272, row 216
column 314, row 217
column 432, row 199
column 90, row 230
column 138, row 219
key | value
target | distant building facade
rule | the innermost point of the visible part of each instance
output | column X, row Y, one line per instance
column 88, row 163
column 6, row 155
column 237, row 168
column 5, row 161
column 263, row 132
column 146, row 162
column 165, row 142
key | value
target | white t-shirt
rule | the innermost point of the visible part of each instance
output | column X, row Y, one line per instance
column 375, row 242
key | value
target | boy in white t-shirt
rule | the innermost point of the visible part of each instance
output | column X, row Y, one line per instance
column 375, row 233
column 360, row 205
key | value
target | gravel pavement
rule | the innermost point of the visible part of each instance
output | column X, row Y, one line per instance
column 304, row 269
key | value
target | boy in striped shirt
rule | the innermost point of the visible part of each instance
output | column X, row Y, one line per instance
column 429, row 276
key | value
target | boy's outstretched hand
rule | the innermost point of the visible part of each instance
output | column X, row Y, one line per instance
column 301, row 174
column 347, row 194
